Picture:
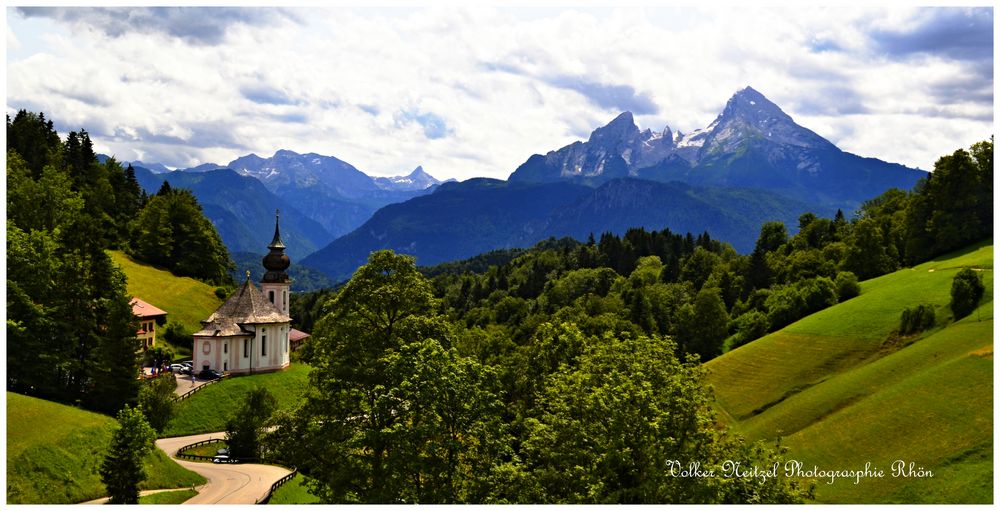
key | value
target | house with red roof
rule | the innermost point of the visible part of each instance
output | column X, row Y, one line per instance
column 149, row 316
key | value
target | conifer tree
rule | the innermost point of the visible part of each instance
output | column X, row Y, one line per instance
column 122, row 470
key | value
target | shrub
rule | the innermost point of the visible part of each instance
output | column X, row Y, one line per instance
column 847, row 286
column 917, row 319
column 818, row 293
column 174, row 334
column 966, row 292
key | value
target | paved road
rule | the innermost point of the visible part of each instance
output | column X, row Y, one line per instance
column 242, row 483
column 186, row 383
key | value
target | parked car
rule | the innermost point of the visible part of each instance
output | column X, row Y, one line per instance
column 177, row 368
column 188, row 363
column 222, row 458
column 222, row 452
column 209, row 374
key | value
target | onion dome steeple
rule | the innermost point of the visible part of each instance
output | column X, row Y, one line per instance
column 276, row 261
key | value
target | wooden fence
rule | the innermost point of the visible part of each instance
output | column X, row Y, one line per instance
column 196, row 389
column 182, row 454
column 277, row 485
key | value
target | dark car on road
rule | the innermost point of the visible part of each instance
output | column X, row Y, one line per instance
column 209, row 374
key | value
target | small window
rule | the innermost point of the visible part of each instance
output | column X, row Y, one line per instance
column 270, row 296
column 263, row 345
column 246, row 348
column 225, row 347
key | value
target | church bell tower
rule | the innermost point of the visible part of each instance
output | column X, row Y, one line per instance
column 276, row 283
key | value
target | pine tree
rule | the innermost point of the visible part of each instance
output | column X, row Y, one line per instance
column 122, row 470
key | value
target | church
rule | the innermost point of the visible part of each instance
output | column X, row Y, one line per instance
column 249, row 332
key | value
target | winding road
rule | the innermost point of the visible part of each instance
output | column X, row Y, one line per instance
column 242, row 483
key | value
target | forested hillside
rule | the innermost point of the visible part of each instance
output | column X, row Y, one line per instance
column 70, row 328
column 577, row 362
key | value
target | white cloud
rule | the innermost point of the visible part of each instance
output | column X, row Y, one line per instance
column 475, row 92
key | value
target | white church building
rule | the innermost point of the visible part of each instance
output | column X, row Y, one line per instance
column 249, row 332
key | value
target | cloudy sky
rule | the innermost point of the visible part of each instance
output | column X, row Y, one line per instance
column 475, row 92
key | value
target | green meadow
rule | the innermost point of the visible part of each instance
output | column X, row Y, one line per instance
column 186, row 300
column 294, row 492
column 168, row 497
column 841, row 390
column 207, row 410
column 54, row 453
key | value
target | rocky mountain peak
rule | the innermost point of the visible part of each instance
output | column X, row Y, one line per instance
column 749, row 115
column 751, row 106
column 620, row 129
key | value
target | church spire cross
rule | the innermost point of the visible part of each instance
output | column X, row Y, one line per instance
column 276, row 242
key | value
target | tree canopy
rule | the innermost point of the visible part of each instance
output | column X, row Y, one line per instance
column 172, row 232
column 397, row 413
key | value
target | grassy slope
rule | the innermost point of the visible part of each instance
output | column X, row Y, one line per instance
column 168, row 497
column 207, row 410
column 54, row 452
column 186, row 300
column 294, row 492
column 840, row 397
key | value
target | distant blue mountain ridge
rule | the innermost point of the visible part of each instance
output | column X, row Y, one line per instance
column 752, row 164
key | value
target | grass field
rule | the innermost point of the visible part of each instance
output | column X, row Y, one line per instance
column 209, row 449
column 293, row 492
column 186, row 300
column 168, row 497
column 54, row 452
column 840, row 395
column 207, row 410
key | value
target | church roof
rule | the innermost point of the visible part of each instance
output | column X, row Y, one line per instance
column 247, row 306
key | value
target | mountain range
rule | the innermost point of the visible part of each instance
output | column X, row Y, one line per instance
column 751, row 144
column 333, row 192
column 750, row 165
column 320, row 197
column 464, row 219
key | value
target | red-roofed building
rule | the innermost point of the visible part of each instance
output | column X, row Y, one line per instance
column 149, row 316
column 296, row 338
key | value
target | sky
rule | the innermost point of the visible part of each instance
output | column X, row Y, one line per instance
column 468, row 92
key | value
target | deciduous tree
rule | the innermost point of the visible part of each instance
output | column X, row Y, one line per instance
column 246, row 427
